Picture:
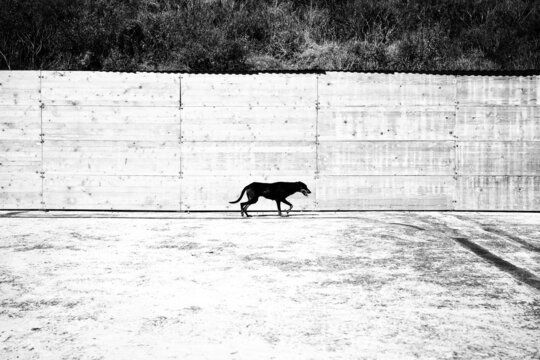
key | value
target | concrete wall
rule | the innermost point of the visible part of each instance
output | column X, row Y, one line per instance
column 148, row 141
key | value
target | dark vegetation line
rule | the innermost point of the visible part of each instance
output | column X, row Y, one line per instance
column 246, row 35
column 520, row 274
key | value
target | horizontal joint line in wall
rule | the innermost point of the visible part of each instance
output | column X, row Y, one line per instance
column 310, row 174
column 249, row 141
column 249, row 106
column 498, row 175
column 172, row 140
column 389, row 106
column 53, row 173
column 320, row 107
column 474, row 105
column 429, row 106
column 434, row 140
column 272, row 175
column 386, row 141
column 307, row 174
column 428, row 175
column 385, row 175
column 495, row 141
column 175, row 106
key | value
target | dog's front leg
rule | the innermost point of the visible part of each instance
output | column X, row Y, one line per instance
column 288, row 203
column 278, row 207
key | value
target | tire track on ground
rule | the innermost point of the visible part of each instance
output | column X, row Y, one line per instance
column 523, row 275
column 511, row 237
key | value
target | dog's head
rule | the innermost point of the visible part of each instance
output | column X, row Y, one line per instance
column 303, row 188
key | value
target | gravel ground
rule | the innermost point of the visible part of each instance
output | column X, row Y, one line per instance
column 368, row 285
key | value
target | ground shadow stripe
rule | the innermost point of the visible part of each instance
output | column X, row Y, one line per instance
column 11, row 214
column 520, row 274
column 514, row 238
column 408, row 225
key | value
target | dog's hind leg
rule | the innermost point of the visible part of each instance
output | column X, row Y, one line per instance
column 248, row 204
column 252, row 199
column 242, row 208
column 278, row 207
column 288, row 203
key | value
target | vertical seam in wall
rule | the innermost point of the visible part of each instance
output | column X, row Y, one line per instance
column 41, row 138
column 317, row 140
column 180, row 175
column 456, row 175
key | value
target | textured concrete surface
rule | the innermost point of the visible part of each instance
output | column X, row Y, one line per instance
column 82, row 140
column 369, row 285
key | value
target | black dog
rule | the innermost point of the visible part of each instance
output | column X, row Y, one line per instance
column 275, row 191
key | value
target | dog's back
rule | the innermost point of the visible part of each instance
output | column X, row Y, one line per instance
column 273, row 191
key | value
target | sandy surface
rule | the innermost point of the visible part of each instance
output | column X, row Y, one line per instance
column 371, row 285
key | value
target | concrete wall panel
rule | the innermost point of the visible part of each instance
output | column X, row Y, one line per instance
column 154, row 141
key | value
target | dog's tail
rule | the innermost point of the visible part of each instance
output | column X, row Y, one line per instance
column 242, row 194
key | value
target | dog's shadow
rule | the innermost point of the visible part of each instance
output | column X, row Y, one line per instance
column 277, row 216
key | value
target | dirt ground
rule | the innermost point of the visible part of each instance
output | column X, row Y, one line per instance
column 367, row 285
